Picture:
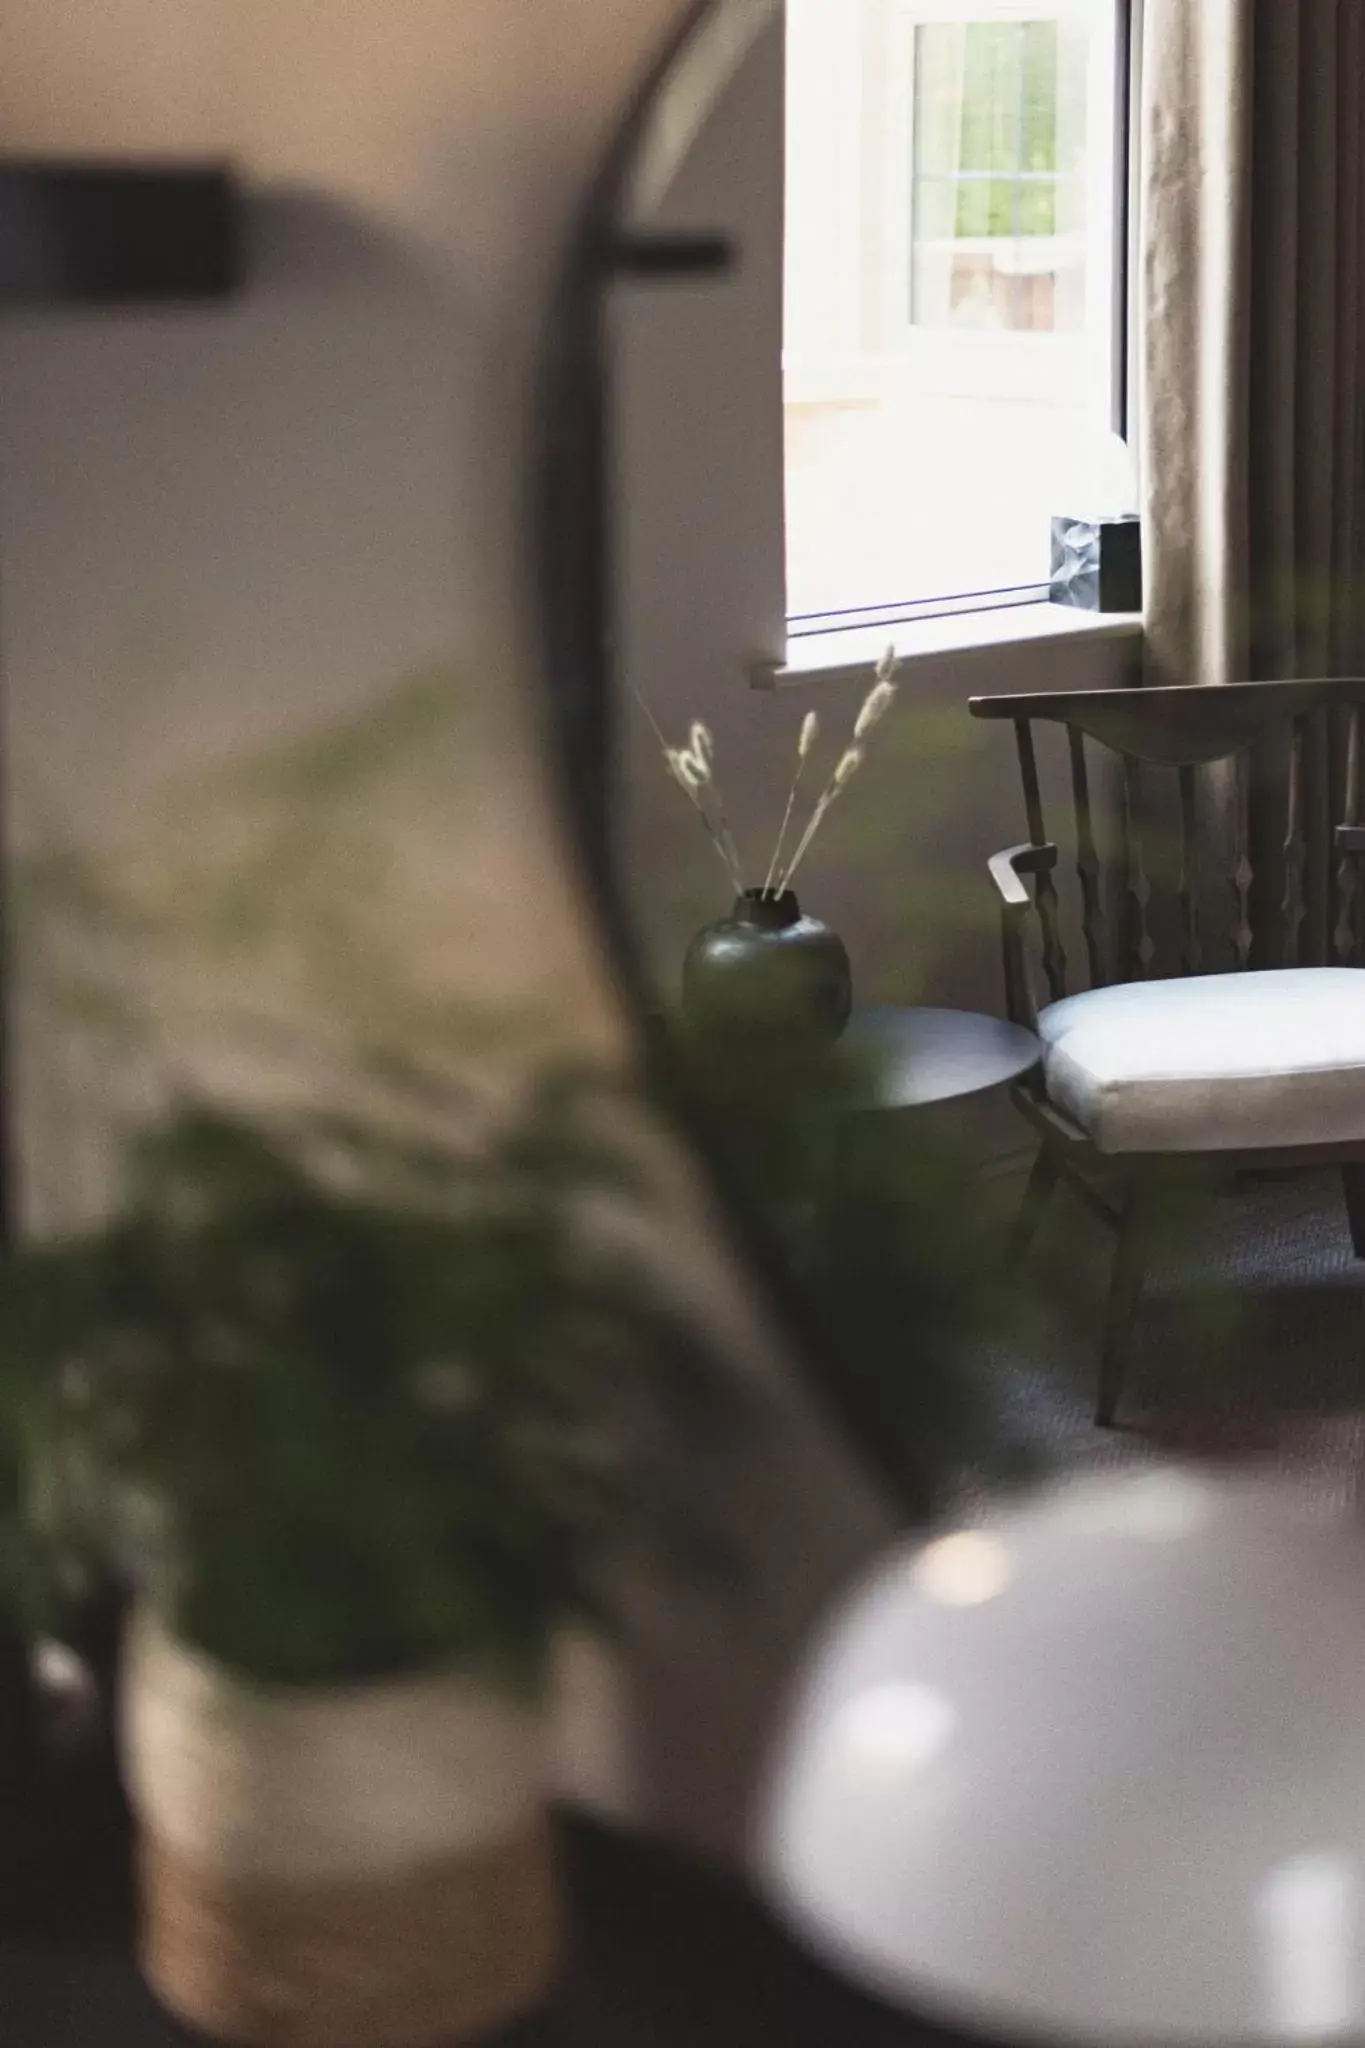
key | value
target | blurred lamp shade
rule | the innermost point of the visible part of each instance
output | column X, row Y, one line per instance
column 1094, row 1771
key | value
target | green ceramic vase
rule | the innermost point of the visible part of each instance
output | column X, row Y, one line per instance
column 766, row 970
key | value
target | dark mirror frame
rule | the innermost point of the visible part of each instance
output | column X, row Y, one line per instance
column 573, row 504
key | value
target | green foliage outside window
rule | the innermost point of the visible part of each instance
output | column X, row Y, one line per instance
column 989, row 99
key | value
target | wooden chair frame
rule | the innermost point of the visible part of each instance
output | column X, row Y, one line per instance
column 1186, row 729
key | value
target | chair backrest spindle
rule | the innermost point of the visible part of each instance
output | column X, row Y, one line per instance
column 1093, row 924
column 1243, row 872
column 1294, row 904
column 1045, row 890
column 1192, row 943
column 1139, row 947
column 1348, row 872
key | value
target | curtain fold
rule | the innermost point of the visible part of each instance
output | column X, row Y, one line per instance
column 1194, row 363
column 1253, row 289
column 1252, row 354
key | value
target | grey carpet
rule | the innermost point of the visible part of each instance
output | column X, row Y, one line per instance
column 1250, row 1341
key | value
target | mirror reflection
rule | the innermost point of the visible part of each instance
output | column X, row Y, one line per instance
column 878, row 615
column 837, row 466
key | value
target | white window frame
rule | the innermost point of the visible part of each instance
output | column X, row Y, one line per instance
column 824, row 344
column 844, row 342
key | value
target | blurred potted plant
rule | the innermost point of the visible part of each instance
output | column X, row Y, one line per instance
column 362, row 1418
column 361, row 1407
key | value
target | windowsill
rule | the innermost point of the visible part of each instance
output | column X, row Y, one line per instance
column 832, row 656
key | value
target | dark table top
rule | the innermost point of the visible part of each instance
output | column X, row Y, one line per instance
column 921, row 1056
column 666, row 1953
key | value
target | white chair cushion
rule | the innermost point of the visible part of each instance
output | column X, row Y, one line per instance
column 1215, row 1063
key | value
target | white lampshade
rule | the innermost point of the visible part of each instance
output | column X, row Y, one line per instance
column 1094, row 1772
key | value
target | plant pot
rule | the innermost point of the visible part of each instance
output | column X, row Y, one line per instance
column 767, row 970
column 361, row 1868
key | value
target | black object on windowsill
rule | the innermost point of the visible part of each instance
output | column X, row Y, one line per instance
column 1097, row 563
column 101, row 231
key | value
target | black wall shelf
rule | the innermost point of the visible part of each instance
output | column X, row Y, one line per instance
column 108, row 232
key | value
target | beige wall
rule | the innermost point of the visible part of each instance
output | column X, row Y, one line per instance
column 222, row 527
column 413, row 166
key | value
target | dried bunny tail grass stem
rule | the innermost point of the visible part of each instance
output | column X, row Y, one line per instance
column 849, row 764
column 880, row 698
column 875, row 708
column 683, row 770
column 810, row 733
column 682, row 766
column 698, row 760
column 876, row 704
column 654, row 724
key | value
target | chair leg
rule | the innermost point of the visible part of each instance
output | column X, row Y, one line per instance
column 1353, row 1186
column 1042, row 1181
column 1130, row 1265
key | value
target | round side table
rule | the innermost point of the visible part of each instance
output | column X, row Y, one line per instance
column 916, row 1057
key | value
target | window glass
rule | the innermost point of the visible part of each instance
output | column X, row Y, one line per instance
column 953, row 243
column 998, row 202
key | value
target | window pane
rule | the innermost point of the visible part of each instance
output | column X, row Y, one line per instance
column 990, row 94
column 988, row 253
column 941, row 145
column 951, row 223
column 1013, row 93
column 1037, row 209
column 1038, row 89
column 1070, row 144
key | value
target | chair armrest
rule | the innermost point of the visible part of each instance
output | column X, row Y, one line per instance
column 1007, row 871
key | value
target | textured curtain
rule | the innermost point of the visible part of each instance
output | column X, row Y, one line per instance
column 1253, row 352
column 1252, row 411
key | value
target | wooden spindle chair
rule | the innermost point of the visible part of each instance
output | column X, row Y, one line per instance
column 1143, row 1078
